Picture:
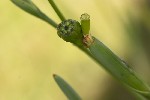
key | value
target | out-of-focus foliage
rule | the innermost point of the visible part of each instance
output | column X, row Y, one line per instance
column 30, row 50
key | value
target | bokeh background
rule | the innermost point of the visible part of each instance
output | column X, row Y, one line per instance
column 31, row 52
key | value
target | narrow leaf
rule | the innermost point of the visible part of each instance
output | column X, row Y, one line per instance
column 117, row 67
column 66, row 88
column 30, row 7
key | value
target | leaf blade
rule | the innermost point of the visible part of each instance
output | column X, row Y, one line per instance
column 118, row 68
column 66, row 88
column 29, row 7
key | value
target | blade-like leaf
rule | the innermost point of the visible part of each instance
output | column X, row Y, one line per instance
column 66, row 88
column 30, row 7
column 118, row 68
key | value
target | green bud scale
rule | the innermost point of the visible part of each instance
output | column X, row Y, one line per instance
column 70, row 31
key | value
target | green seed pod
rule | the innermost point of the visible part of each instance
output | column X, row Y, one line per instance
column 70, row 31
column 85, row 23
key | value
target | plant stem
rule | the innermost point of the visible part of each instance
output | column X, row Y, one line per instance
column 60, row 15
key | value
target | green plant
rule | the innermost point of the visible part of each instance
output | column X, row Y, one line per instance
column 78, row 34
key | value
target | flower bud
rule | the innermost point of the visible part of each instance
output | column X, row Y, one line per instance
column 70, row 31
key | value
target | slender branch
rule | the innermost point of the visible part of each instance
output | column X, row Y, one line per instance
column 58, row 12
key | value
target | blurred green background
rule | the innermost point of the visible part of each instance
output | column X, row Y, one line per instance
column 31, row 52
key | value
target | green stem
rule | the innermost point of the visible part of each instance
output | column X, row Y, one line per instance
column 60, row 15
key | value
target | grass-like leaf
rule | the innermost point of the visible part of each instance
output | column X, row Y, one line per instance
column 118, row 68
column 66, row 88
column 30, row 7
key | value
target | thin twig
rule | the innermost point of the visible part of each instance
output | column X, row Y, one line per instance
column 60, row 15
